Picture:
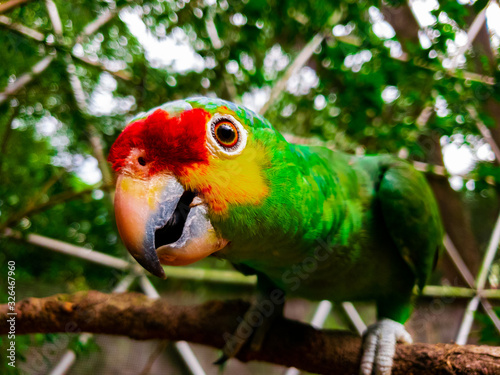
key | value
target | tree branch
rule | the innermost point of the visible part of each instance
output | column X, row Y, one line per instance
column 289, row 343
column 299, row 61
column 20, row 28
column 55, row 19
column 38, row 36
column 100, row 21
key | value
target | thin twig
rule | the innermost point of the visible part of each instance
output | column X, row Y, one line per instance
column 490, row 311
column 489, row 257
column 55, row 19
column 404, row 57
column 94, row 136
column 481, row 279
column 76, row 85
column 288, row 343
column 304, row 55
column 20, row 28
column 438, row 170
column 59, row 199
column 457, row 260
column 217, row 44
column 120, row 74
column 70, row 249
column 100, row 21
column 90, row 29
column 26, row 78
column 473, row 31
column 38, row 36
column 98, row 151
column 485, row 132
column 153, row 356
column 212, row 33
column 302, row 58
column 424, row 116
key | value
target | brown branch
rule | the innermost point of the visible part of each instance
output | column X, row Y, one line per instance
column 289, row 343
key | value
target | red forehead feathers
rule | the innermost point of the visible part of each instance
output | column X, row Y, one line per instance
column 169, row 143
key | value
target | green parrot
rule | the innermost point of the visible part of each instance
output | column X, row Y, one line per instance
column 204, row 176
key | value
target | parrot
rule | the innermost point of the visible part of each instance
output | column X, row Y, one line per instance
column 205, row 177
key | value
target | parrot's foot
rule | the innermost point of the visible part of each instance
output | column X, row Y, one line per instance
column 252, row 328
column 379, row 346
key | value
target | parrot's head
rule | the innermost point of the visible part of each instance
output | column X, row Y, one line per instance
column 181, row 167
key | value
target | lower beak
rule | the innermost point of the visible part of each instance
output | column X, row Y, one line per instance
column 157, row 223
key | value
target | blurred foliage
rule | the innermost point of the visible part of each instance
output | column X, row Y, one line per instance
column 340, row 97
column 488, row 335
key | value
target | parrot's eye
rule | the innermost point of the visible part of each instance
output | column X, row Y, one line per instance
column 141, row 161
column 226, row 133
column 226, row 136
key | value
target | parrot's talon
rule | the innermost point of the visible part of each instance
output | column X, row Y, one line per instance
column 379, row 346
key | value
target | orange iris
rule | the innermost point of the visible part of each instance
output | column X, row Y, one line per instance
column 226, row 133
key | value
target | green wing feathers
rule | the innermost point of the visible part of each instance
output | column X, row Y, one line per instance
column 412, row 217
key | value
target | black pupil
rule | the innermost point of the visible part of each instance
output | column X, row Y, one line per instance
column 225, row 133
column 141, row 161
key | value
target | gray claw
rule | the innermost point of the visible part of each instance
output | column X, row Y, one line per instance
column 379, row 346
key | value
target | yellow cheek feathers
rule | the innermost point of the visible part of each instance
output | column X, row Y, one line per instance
column 223, row 182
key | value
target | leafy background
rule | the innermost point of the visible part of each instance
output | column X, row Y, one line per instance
column 376, row 81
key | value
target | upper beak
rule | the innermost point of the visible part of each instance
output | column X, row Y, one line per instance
column 136, row 201
column 156, row 223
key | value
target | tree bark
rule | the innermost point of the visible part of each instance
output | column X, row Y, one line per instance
column 288, row 343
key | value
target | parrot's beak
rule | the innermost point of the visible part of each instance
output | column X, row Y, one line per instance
column 161, row 222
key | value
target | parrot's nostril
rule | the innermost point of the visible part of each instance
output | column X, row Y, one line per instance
column 172, row 230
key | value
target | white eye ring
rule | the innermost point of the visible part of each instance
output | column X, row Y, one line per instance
column 215, row 147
